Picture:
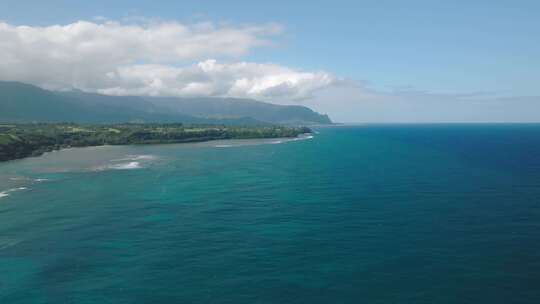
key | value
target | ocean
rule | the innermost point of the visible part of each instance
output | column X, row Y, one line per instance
column 354, row 214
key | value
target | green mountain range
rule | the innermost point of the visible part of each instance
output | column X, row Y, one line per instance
column 21, row 102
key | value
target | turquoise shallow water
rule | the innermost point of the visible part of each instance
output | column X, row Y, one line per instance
column 366, row 214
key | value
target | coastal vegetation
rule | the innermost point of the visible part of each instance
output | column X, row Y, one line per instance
column 24, row 140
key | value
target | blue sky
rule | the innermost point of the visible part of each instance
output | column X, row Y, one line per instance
column 432, row 47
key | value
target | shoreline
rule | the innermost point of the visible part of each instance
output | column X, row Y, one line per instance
column 149, row 143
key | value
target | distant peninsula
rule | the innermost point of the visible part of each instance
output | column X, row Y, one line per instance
column 25, row 103
column 25, row 140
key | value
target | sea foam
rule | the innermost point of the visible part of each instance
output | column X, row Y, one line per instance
column 135, row 158
column 129, row 162
column 122, row 166
column 126, row 166
column 7, row 192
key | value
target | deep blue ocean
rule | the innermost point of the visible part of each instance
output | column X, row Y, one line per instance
column 356, row 214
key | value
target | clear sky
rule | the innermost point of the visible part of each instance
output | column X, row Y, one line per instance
column 388, row 60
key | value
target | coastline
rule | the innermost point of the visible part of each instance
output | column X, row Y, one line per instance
column 164, row 138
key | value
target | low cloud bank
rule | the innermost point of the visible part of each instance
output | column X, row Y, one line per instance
column 155, row 58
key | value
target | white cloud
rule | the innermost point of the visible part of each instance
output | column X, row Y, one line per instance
column 210, row 78
column 154, row 58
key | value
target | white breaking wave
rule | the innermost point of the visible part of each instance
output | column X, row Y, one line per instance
column 126, row 166
column 302, row 137
column 22, row 178
column 123, row 166
column 7, row 192
column 129, row 162
column 250, row 142
column 135, row 158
